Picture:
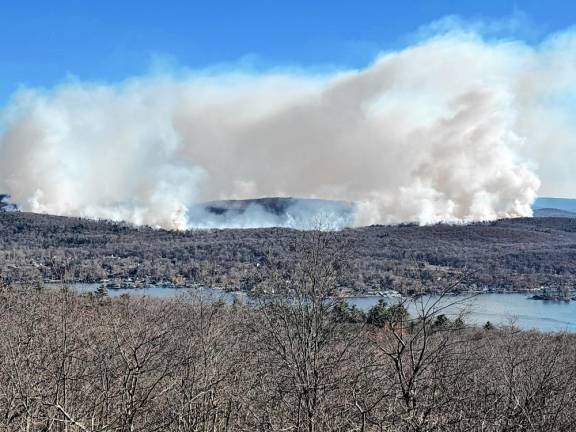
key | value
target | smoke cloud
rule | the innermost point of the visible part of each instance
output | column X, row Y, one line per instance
column 448, row 129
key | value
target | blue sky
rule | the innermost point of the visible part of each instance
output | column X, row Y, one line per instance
column 42, row 42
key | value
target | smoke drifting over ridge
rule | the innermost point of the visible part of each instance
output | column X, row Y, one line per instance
column 444, row 130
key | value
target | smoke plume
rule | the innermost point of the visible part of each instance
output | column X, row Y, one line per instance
column 445, row 130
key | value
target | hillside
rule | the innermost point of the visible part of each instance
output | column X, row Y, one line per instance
column 565, row 204
column 553, row 212
column 506, row 254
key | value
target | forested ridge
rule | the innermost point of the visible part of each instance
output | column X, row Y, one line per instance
column 506, row 254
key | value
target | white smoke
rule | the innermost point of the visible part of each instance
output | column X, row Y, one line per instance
column 441, row 131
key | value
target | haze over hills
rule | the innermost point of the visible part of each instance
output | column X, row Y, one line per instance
column 401, row 140
column 303, row 213
column 310, row 213
column 273, row 212
column 403, row 143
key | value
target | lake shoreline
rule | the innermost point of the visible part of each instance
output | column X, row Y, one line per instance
column 532, row 294
column 498, row 308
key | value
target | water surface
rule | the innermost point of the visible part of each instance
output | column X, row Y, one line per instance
column 496, row 308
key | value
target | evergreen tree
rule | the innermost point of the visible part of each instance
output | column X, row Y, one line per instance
column 488, row 326
column 381, row 313
column 378, row 314
column 441, row 321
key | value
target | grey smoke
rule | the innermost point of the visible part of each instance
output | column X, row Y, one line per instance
column 446, row 130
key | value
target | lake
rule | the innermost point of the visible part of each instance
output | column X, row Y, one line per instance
column 496, row 308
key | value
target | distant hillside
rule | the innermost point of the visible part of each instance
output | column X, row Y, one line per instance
column 507, row 254
column 553, row 212
column 565, row 204
column 298, row 213
column 273, row 205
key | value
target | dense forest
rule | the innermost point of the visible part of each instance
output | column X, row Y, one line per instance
column 294, row 358
column 506, row 254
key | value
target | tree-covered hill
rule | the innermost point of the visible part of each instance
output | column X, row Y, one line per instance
column 508, row 254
